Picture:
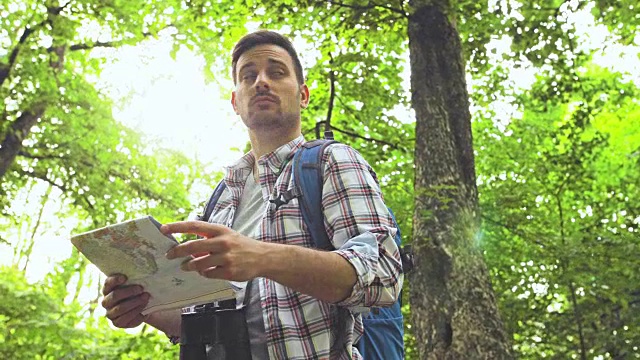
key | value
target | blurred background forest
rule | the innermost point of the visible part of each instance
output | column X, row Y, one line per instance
column 114, row 109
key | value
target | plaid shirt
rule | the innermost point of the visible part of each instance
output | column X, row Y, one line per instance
column 357, row 222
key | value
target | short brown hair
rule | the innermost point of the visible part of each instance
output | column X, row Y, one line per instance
column 262, row 37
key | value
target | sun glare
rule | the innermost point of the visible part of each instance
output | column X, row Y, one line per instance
column 169, row 101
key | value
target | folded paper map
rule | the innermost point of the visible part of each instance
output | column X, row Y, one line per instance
column 136, row 248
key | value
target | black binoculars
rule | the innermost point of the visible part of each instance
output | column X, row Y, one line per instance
column 215, row 332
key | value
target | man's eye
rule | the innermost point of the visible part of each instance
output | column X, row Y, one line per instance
column 277, row 72
column 248, row 76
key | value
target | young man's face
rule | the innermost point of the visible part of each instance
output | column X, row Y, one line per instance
column 268, row 96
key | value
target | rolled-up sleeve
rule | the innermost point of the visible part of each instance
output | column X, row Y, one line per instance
column 361, row 228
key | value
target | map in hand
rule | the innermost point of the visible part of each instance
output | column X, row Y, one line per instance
column 137, row 248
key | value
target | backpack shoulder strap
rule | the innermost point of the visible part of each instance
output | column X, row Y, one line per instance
column 308, row 178
column 213, row 200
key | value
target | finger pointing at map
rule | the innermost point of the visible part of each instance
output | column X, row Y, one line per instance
column 199, row 228
column 222, row 254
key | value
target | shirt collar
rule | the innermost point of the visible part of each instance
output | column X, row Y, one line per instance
column 277, row 158
column 238, row 172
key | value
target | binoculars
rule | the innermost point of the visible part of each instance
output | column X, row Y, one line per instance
column 215, row 332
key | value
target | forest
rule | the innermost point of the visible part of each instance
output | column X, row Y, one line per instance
column 505, row 134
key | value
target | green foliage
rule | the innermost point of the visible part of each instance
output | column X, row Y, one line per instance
column 620, row 16
column 37, row 323
column 560, row 233
column 46, row 70
column 103, row 171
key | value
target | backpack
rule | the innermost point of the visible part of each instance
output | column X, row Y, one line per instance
column 383, row 336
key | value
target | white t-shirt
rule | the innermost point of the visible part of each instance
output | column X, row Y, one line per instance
column 247, row 222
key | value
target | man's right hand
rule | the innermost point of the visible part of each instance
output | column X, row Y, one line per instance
column 124, row 304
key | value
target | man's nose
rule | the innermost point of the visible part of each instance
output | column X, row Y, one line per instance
column 262, row 82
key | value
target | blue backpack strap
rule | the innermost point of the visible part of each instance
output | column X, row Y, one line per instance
column 383, row 327
column 383, row 336
column 406, row 252
column 308, row 178
column 213, row 200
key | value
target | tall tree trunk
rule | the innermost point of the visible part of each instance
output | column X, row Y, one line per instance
column 453, row 308
column 17, row 132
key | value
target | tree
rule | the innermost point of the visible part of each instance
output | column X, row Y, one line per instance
column 54, row 120
column 57, row 129
column 451, row 290
column 559, row 234
column 548, row 179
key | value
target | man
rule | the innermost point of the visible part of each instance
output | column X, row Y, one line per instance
column 303, row 302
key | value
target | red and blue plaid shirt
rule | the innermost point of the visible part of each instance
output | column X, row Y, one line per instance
column 357, row 222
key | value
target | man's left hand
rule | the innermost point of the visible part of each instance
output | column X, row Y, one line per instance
column 222, row 254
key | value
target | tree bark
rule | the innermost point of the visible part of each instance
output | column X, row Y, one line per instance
column 21, row 127
column 18, row 131
column 453, row 308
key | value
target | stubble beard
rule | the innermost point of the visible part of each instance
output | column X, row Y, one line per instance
column 274, row 122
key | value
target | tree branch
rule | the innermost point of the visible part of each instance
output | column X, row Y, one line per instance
column 18, row 131
column 5, row 70
column 44, row 178
column 352, row 112
column 63, row 188
column 37, row 157
column 138, row 188
column 352, row 134
column 369, row 7
column 332, row 96
column 577, row 315
column 392, row 9
column 556, row 11
column 402, row 3
column 106, row 44
column 32, row 239
column 329, row 14
column 58, row 10
column 520, row 233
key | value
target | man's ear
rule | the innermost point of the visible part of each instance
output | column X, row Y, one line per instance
column 304, row 96
column 233, row 102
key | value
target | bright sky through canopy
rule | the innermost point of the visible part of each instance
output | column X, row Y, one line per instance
column 169, row 101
